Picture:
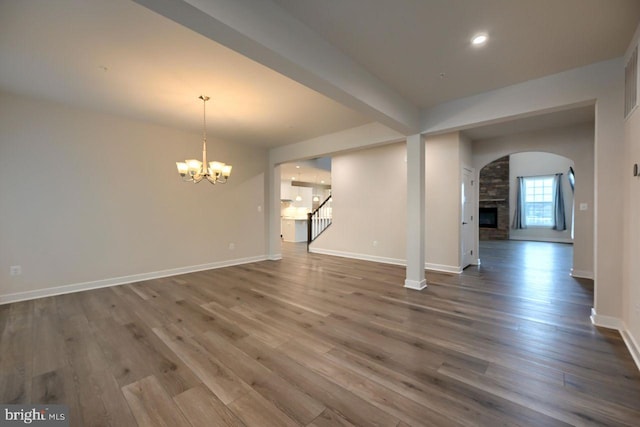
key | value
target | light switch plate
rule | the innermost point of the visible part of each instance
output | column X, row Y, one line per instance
column 584, row 206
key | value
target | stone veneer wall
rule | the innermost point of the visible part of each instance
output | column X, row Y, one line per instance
column 494, row 192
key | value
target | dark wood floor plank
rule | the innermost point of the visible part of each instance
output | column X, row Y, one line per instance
column 384, row 398
column 570, row 408
column 255, row 410
column 152, row 406
column 203, row 409
column 295, row 403
column 264, row 332
column 328, row 418
column 339, row 400
column 226, row 385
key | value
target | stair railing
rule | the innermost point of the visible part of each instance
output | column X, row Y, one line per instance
column 319, row 220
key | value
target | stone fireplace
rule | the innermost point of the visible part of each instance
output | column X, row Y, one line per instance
column 493, row 215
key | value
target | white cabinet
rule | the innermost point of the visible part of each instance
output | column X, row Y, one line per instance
column 294, row 230
column 285, row 191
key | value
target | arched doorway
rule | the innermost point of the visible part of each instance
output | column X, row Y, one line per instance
column 497, row 204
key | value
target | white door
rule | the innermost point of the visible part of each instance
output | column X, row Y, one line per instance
column 468, row 228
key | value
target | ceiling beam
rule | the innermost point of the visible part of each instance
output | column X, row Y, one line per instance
column 264, row 32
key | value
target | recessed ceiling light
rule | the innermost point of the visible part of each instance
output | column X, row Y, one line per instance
column 293, row 178
column 479, row 39
column 297, row 166
column 322, row 182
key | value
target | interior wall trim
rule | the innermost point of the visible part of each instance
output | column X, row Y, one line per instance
column 582, row 274
column 609, row 322
column 455, row 269
column 542, row 239
column 364, row 257
column 395, row 261
column 618, row 324
column 632, row 345
column 123, row 280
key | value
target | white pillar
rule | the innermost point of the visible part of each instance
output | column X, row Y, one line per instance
column 415, row 213
column 274, row 243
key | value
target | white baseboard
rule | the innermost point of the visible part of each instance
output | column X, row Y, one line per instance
column 104, row 283
column 632, row 345
column 543, row 239
column 364, row 257
column 582, row 274
column 275, row 257
column 385, row 260
column 415, row 284
column 606, row 321
column 443, row 268
column 618, row 324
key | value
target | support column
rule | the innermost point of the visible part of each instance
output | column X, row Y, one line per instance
column 415, row 213
column 274, row 243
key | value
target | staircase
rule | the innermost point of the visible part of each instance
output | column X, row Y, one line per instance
column 318, row 220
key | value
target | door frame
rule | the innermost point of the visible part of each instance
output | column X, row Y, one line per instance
column 468, row 226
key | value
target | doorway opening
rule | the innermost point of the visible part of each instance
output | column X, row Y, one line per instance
column 305, row 186
column 528, row 197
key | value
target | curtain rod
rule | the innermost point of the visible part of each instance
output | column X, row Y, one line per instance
column 537, row 176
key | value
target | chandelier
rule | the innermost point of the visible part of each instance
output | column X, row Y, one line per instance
column 193, row 170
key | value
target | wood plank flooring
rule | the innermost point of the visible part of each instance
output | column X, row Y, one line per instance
column 321, row 341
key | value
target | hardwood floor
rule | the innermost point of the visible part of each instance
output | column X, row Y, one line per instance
column 314, row 340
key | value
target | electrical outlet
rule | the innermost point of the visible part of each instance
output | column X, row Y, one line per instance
column 232, row 246
column 259, row 208
column 584, row 206
column 15, row 270
column 375, row 243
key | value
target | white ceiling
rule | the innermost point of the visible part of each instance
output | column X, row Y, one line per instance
column 119, row 57
column 408, row 43
column 155, row 71
column 305, row 171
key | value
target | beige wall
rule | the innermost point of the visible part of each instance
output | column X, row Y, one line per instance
column 574, row 142
column 533, row 164
column 86, row 197
column 369, row 207
column 369, row 189
column 443, row 202
column 631, row 253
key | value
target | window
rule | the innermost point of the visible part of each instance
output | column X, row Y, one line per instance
column 538, row 201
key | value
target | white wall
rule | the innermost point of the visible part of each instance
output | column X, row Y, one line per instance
column 532, row 164
column 88, row 197
column 443, row 201
column 631, row 253
column 370, row 207
column 369, row 190
column 574, row 142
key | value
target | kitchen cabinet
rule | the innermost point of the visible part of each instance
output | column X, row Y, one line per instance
column 294, row 230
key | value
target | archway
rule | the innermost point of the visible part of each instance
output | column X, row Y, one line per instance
column 543, row 211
